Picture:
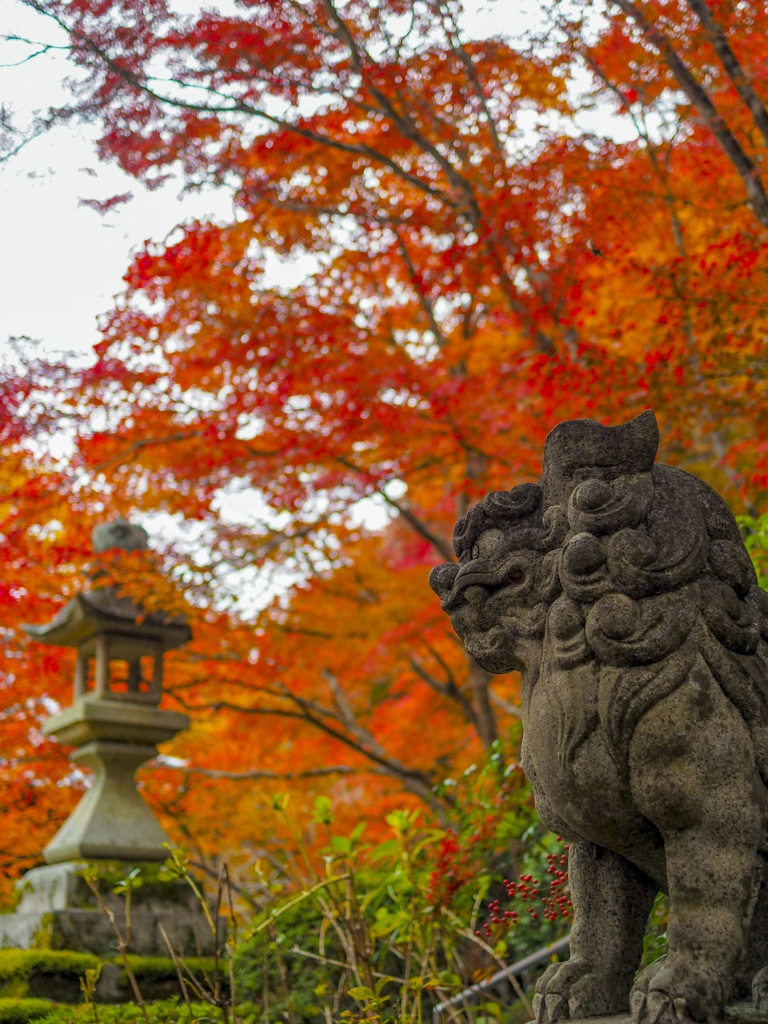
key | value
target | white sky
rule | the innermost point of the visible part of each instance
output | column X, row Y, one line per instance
column 62, row 263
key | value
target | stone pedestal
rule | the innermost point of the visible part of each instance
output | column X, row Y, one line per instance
column 57, row 910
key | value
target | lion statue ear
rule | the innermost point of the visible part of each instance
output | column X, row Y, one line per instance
column 576, row 447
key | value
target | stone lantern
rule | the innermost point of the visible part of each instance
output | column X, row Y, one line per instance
column 114, row 721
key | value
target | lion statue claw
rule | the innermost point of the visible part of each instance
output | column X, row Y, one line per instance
column 622, row 592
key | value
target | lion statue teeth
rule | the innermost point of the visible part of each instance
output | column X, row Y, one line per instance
column 621, row 590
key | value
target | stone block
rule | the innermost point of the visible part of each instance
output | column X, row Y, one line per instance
column 57, row 910
column 90, row 930
column 62, row 887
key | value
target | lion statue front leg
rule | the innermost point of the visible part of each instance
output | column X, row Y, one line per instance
column 612, row 899
column 693, row 775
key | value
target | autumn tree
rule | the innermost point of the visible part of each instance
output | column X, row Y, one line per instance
column 39, row 556
column 484, row 261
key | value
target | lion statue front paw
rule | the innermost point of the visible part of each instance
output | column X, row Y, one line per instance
column 675, row 992
column 576, row 989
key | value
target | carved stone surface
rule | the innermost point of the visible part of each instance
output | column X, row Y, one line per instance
column 622, row 591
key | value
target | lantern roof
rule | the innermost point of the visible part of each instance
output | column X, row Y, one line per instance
column 104, row 611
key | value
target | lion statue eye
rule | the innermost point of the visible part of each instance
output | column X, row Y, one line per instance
column 476, row 551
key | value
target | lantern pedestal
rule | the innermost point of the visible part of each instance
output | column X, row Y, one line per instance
column 111, row 829
column 112, row 821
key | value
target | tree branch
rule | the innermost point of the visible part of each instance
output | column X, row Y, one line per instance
column 728, row 142
column 403, row 122
column 235, row 105
column 146, row 442
column 480, row 681
column 504, row 705
column 411, row 778
column 733, row 68
column 448, row 690
column 257, row 774
column 454, row 40
column 424, row 302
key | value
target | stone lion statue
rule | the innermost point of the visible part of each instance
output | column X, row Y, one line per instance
column 623, row 593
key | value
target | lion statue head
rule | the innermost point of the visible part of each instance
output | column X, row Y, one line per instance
column 499, row 594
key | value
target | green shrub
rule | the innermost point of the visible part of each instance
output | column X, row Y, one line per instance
column 167, row 1011
column 293, row 982
column 45, row 973
column 385, row 932
column 155, row 968
column 655, row 939
column 755, row 533
column 36, row 972
column 20, row 1011
column 20, row 963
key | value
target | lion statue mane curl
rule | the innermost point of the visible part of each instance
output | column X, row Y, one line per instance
column 623, row 593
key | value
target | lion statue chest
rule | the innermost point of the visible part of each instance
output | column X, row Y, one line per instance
column 579, row 788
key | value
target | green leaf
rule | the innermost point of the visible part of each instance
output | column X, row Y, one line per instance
column 323, row 811
column 341, row 844
column 398, row 820
column 449, row 978
column 131, row 881
column 388, row 848
column 361, row 992
column 382, row 982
